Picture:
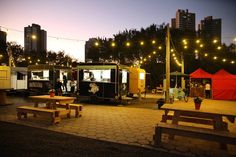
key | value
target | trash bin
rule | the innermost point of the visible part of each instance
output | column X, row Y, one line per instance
column 160, row 102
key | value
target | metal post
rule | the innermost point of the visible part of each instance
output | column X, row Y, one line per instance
column 182, row 71
column 168, row 64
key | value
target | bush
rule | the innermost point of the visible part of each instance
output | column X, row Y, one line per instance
column 197, row 100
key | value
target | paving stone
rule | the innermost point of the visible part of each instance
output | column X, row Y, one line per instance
column 123, row 125
column 176, row 152
column 189, row 154
column 168, row 146
column 182, row 149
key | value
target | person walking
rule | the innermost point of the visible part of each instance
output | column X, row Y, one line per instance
column 208, row 90
column 64, row 81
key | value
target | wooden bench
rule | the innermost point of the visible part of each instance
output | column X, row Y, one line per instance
column 53, row 115
column 191, row 119
column 62, row 112
column 76, row 107
column 159, row 90
column 223, row 137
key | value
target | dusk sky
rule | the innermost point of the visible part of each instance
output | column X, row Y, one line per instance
column 84, row 19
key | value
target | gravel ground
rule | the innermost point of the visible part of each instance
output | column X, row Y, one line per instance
column 24, row 141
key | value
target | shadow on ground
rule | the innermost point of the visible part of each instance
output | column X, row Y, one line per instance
column 18, row 140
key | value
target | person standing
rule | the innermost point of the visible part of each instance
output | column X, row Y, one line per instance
column 208, row 90
column 58, row 86
column 72, row 86
column 64, row 81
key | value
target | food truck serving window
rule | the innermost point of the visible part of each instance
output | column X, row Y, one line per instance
column 124, row 76
column 141, row 76
column 97, row 75
column 40, row 75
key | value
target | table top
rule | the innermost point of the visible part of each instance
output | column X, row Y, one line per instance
column 218, row 108
column 4, row 89
column 47, row 97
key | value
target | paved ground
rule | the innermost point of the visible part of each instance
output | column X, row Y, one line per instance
column 25, row 141
column 131, row 124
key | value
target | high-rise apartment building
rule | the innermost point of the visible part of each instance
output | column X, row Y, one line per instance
column 173, row 23
column 3, row 36
column 35, row 39
column 88, row 56
column 3, row 48
column 184, row 20
column 210, row 28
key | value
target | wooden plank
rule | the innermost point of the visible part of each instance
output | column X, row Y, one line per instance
column 76, row 107
column 190, row 119
column 199, row 118
column 194, row 132
column 54, row 115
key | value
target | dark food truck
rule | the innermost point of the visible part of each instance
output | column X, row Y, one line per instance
column 105, row 81
column 42, row 78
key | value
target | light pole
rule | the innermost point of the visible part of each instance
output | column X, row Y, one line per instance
column 9, row 51
column 182, row 71
column 167, row 96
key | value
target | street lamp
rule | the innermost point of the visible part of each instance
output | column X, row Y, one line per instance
column 127, row 44
column 215, row 41
column 34, row 37
column 113, row 44
column 96, row 44
column 142, row 43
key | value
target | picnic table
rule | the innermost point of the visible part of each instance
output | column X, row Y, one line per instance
column 51, row 111
column 211, row 115
column 51, row 101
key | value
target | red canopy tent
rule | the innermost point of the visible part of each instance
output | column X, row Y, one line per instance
column 199, row 73
column 224, row 85
column 199, row 76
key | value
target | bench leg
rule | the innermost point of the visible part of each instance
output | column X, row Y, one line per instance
column 77, row 112
column 223, row 146
column 19, row 115
column 68, row 108
column 157, row 136
column 80, row 111
column 55, row 118
column 25, row 115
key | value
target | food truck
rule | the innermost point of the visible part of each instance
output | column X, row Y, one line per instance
column 19, row 78
column 5, row 77
column 137, row 78
column 5, row 83
column 42, row 78
column 105, row 81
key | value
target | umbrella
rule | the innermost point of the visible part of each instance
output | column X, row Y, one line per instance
column 176, row 74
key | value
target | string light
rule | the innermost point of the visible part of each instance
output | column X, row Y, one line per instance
column 113, row 44
column 49, row 36
column 141, row 43
column 96, row 44
column 184, row 41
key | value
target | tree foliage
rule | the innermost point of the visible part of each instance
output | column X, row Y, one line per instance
column 155, row 64
column 21, row 59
